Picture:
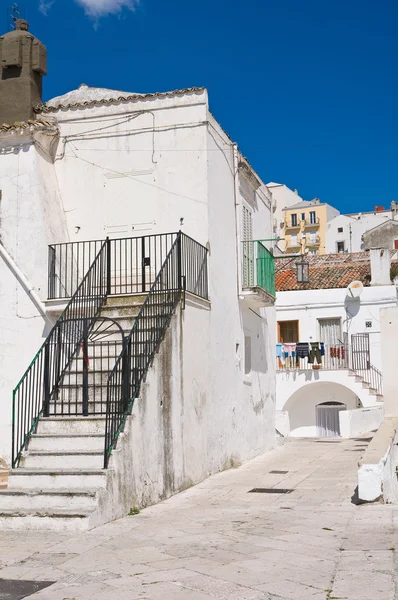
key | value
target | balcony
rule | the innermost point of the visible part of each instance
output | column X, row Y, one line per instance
column 313, row 241
column 258, row 274
column 309, row 223
column 290, row 227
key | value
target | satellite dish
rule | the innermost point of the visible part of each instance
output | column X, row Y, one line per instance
column 355, row 289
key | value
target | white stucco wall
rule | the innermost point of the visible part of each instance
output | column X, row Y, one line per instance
column 360, row 420
column 30, row 218
column 157, row 165
column 389, row 330
column 354, row 226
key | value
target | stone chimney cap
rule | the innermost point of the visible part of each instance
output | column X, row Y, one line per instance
column 21, row 24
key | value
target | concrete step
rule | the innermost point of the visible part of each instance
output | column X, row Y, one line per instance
column 64, row 443
column 126, row 299
column 3, row 477
column 45, row 459
column 48, row 499
column 71, row 425
column 60, row 520
column 57, row 478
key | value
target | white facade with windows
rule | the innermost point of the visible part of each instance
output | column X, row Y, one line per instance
column 95, row 166
column 344, row 232
column 332, row 317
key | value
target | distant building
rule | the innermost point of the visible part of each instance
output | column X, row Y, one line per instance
column 346, row 233
column 344, row 384
column 305, row 226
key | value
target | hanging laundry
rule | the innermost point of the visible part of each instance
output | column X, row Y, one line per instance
column 302, row 350
column 280, row 353
column 315, row 354
column 290, row 349
column 322, row 348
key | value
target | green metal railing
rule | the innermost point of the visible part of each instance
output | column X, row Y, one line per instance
column 258, row 266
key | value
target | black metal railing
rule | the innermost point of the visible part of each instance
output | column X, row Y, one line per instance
column 140, row 346
column 34, row 394
column 59, row 381
column 133, row 263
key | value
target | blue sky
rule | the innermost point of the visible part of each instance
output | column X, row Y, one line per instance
column 309, row 90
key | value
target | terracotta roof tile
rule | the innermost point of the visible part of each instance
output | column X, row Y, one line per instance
column 46, row 108
column 30, row 125
column 327, row 271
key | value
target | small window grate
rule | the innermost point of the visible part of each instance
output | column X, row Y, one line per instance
column 269, row 491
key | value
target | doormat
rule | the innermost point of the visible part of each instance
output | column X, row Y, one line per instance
column 265, row 491
column 11, row 589
column 279, row 472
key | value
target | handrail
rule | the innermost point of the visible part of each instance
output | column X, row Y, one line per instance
column 139, row 348
column 37, row 387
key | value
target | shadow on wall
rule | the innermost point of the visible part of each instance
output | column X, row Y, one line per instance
column 301, row 405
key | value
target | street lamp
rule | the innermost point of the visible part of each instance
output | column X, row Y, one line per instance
column 303, row 270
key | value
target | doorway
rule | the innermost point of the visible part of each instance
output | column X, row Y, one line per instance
column 327, row 419
column 360, row 351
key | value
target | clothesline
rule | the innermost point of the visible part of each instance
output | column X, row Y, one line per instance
column 313, row 351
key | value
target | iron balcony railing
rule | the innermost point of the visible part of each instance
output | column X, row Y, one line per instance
column 258, row 268
column 132, row 263
column 334, row 357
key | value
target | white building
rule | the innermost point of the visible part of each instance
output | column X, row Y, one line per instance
column 283, row 197
column 98, row 163
column 324, row 310
column 345, row 232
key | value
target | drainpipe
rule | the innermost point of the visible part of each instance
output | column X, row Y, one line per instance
column 237, row 219
column 25, row 283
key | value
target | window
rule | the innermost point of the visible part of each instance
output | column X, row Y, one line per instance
column 293, row 240
column 339, row 230
column 288, row 331
column 247, row 236
column 303, row 216
column 248, row 354
column 396, row 244
column 294, row 220
column 330, row 331
column 312, row 236
column 312, row 217
column 340, row 247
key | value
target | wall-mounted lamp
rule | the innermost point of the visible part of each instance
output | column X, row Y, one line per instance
column 303, row 271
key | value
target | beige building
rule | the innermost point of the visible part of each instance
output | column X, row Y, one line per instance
column 305, row 225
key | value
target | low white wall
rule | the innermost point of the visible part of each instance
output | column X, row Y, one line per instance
column 360, row 420
column 377, row 477
column 282, row 423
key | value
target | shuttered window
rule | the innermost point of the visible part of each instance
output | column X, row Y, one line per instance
column 247, row 236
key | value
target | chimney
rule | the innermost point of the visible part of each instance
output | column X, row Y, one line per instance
column 23, row 62
column 380, row 265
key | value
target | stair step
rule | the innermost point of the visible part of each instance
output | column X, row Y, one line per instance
column 44, row 459
column 48, row 499
column 57, row 478
column 75, row 441
column 67, row 425
column 61, row 520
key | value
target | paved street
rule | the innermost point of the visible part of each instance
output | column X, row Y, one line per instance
column 217, row 541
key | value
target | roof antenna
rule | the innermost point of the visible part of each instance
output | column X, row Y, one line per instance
column 14, row 12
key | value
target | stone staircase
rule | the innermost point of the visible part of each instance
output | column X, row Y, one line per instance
column 61, row 484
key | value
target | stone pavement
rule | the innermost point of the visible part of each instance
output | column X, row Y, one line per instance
column 216, row 541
